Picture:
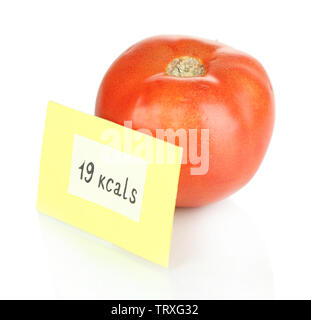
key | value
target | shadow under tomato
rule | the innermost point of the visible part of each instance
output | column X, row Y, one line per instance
column 217, row 252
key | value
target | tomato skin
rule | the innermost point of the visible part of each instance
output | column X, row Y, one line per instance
column 234, row 100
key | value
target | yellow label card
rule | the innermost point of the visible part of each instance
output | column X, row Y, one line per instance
column 109, row 180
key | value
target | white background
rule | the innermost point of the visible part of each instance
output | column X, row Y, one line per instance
column 256, row 244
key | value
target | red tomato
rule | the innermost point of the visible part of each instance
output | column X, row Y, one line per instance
column 181, row 82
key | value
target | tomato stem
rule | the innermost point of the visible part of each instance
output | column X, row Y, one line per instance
column 184, row 67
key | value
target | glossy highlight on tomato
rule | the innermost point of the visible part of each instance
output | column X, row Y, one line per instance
column 182, row 82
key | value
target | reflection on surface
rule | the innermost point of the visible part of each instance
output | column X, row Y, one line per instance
column 216, row 253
